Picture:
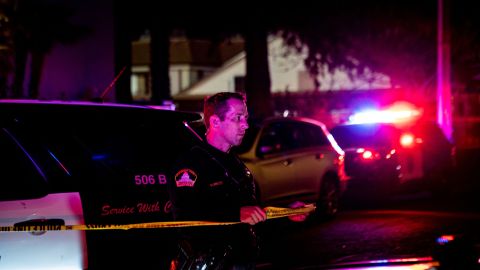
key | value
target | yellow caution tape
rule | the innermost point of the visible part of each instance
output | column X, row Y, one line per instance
column 278, row 212
column 271, row 212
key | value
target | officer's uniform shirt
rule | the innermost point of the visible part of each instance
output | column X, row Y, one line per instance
column 212, row 185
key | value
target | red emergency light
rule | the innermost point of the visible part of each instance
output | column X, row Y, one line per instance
column 407, row 140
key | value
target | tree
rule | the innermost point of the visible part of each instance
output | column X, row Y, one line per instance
column 204, row 20
column 161, row 29
column 201, row 20
column 465, row 39
column 396, row 38
column 38, row 27
column 124, row 30
column 130, row 22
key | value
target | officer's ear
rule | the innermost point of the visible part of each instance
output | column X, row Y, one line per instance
column 214, row 121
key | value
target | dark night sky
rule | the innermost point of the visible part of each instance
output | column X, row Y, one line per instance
column 73, row 68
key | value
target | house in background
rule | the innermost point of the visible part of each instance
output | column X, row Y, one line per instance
column 191, row 60
column 199, row 68
column 287, row 74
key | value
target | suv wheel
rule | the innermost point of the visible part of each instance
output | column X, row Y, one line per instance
column 327, row 205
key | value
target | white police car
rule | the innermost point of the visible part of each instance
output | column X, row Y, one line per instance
column 72, row 163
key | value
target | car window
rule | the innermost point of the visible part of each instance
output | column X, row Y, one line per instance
column 20, row 178
column 133, row 149
column 365, row 135
column 312, row 135
column 298, row 137
column 290, row 135
column 275, row 138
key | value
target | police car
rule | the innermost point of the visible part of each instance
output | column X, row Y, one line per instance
column 394, row 150
column 74, row 163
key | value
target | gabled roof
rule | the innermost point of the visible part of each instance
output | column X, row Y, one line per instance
column 193, row 52
column 189, row 92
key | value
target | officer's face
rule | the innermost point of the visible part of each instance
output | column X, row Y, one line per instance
column 233, row 127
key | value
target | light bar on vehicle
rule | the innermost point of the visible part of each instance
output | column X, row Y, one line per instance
column 445, row 239
column 385, row 116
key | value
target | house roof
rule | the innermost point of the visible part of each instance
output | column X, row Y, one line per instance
column 190, row 51
column 189, row 93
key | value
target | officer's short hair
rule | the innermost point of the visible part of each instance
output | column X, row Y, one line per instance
column 217, row 104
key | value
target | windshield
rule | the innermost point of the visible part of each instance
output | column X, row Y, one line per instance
column 365, row 135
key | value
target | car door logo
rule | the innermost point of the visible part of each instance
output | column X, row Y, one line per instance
column 185, row 178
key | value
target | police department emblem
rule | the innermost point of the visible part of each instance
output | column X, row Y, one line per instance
column 185, row 178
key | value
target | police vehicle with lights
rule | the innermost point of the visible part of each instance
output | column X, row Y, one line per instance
column 75, row 163
column 393, row 150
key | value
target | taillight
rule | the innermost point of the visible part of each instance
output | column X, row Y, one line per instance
column 390, row 154
column 368, row 154
column 341, row 168
column 407, row 140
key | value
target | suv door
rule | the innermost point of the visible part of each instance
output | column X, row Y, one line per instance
column 313, row 157
column 273, row 170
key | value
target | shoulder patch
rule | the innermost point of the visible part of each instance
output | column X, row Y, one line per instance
column 185, row 178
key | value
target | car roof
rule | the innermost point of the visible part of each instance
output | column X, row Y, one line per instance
column 294, row 119
column 11, row 107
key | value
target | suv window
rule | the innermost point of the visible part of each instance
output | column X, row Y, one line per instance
column 364, row 135
column 274, row 138
column 21, row 180
column 311, row 135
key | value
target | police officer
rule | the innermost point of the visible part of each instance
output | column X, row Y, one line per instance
column 212, row 184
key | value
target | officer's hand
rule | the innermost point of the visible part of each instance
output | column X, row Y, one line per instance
column 252, row 215
column 301, row 217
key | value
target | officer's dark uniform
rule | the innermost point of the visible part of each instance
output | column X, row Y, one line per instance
column 208, row 184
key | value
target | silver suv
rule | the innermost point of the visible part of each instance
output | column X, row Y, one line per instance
column 295, row 159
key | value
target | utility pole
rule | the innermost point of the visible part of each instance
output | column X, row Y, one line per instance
column 444, row 96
